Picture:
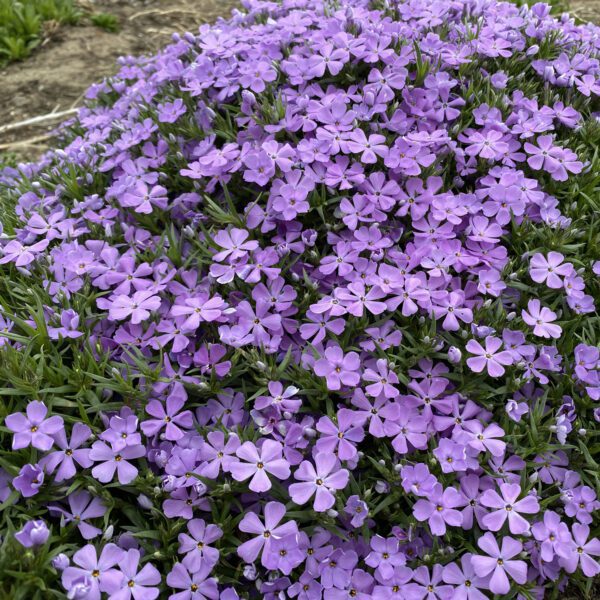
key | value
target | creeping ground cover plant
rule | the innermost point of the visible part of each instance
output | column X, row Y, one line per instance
column 305, row 306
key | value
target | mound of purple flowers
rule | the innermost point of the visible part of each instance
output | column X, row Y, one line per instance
column 304, row 307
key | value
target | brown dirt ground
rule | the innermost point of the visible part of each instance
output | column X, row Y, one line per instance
column 55, row 77
column 586, row 10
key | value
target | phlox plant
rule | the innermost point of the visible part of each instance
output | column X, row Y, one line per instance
column 305, row 306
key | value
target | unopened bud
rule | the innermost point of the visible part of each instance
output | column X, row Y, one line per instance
column 250, row 572
column 454, row 355
column 144, row 502
column 381, row 487
column 60, row 562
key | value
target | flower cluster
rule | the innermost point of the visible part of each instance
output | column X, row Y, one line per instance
column 304, row 307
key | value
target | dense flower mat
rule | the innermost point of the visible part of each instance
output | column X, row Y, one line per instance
column 305, row 308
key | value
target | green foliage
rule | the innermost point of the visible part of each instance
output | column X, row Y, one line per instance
column 105, row 21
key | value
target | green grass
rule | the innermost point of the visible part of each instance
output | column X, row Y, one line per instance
column 105, row 21
column 22, row 24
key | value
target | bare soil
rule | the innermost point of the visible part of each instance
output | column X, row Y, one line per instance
column 56, row 76
column 586, row 10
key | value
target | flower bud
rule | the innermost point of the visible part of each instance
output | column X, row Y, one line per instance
column 332, row 513
column 381, row 487
column 144, row 502
column 60, row 562
column 454, row 355
column 250, row 572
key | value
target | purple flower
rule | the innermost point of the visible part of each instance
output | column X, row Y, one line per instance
column 383, row 380
column 467, row 583
column 33, row 427
column 264, row 532
column 541, row 319
column 21, row 255
column 406, row 426
column 171, row 419
column 218, row 453
column 554, row 537
column 481, row 438
column 418, row 480
column 341, row 438
column 283, row 554
column 320, row 480
column 34, row 533
column 369, row 148
column 283, row 400
column 490, row 357
column 83, row 506
column 29, row 480
column 385, row 555
column 508, row 507
column 255, row 74
column 337, row 368
column 70, row 453
column 549, row 270
column 428, row 584
column 137, row 307
column 195, row 586
column 487, row 144
column 499, row 563
column 553, row 159
column 196, row 545
column 439, row 509
column 136, row 583
column 358, row 509
column 197, row 310
column 69, row 321
column 336, row 572
column 257, row 463
column 580, row 553
column 122, row 431
column 98, row 572
column 113, row 459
